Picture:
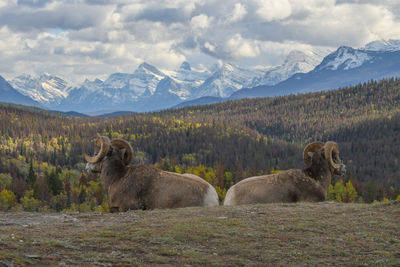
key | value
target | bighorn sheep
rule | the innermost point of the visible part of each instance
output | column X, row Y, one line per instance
column 310, row 184
column 144, row 187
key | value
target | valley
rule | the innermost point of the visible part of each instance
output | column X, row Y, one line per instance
column 41, row 152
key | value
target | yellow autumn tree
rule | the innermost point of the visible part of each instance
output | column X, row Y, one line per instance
column 342, row 192
column 7, row 199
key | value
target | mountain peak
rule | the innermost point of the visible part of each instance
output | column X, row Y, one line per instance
column 185, row 66
column 344, row 57
column 9, row 94
column 344, row 49
column 46, row 89
column 383, row 45
column 296, row 56
column 145, row 67
column 295, row 62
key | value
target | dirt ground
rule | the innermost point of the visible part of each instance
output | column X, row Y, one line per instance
column 301, row 234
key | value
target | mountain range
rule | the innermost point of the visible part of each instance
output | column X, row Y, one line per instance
column 346, row 66
column 149, row 88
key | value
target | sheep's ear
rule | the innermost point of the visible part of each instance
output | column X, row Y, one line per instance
column 311, row 154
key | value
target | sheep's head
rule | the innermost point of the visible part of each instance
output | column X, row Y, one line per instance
column 114, row 151
column 325, row 155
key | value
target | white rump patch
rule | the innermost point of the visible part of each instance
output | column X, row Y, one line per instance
column 230, row 197
column 211, row 197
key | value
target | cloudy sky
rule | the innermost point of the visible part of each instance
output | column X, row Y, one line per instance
column 78, row 39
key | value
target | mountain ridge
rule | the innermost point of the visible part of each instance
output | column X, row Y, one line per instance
column 10, row 95
column 145, row 89
column 149, row 88
column 374, row 65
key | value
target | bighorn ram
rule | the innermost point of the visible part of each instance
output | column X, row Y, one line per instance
column 310, row 184
column 144, row 187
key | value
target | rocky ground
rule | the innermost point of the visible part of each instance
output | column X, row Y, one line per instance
column 299, row 234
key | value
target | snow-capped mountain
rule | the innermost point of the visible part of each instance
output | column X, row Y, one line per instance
column 186, row 79
column 227, row 79
column 120, row 91
column 10, row 95
column 345, row 58
column 382, row 45
column 143, row 82
column 296, row 62
column 48, row 90
column 187, row 74
column 149, row 88
column 346, row 66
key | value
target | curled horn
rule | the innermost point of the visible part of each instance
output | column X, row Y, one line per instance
column 120, row 144
column 330, row 148
column 313, row 147
column 104, row 143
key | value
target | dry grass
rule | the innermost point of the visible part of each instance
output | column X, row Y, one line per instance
column 300, row 234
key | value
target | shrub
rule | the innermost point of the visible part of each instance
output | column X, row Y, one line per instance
column 342, row 192
column 84, row 207
column 102, row 208
column 29, row 203
column 59, row 202
column 221, row 193
column 7, row 199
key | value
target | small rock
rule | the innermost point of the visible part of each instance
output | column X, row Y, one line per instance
column 32, row 256
column 222, row 218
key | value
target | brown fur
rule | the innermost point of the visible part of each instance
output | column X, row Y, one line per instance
column 153, row 188
column 310, row 184
column 145, row 187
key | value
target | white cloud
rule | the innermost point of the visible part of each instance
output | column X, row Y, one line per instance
column 238, row 13
column 270, row 10
column 238, row 47
column 345, row 24
column 201, row 21
column 79, row 39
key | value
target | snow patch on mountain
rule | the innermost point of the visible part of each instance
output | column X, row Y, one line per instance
column 295, row 62
column 227, row 79
column 47, row 89
column 186, row 78
column 344, row 58
column 382, row 45
column 149, row 88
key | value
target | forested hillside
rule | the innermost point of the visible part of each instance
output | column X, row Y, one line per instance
column 41, row 152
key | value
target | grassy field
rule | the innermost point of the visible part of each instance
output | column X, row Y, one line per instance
column 320, row 234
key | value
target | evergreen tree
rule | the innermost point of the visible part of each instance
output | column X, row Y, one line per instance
column 82, row 195
column 67, row 189
column 54, row 182
column 32, row 177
